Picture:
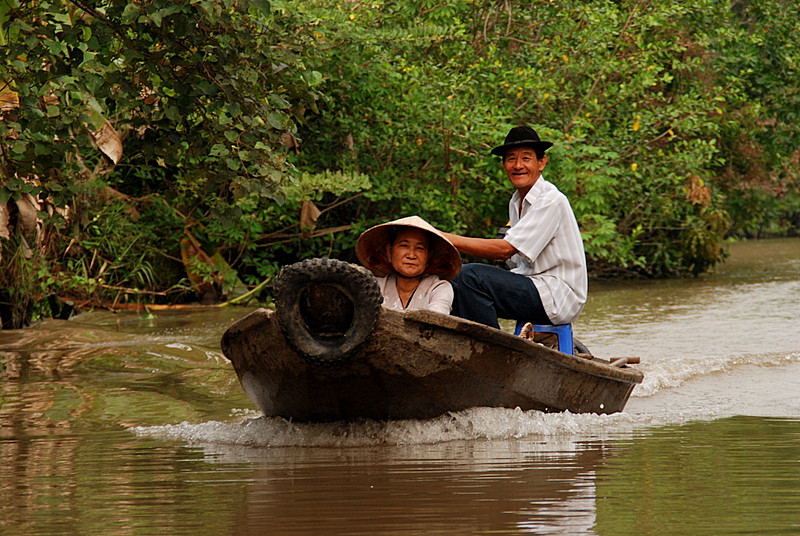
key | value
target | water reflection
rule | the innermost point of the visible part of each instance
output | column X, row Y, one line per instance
column 108, row 483
column 452, row 488
column 115, row 370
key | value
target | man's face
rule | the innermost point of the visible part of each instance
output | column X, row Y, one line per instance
column 523, row 167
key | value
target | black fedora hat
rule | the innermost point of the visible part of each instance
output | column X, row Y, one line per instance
column 521, row 137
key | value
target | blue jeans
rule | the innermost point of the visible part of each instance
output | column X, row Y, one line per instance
column 484, row 293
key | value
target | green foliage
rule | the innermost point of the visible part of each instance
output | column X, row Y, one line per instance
column 21, row 282
column 625, row 90
column 312, row 186
column 204, row 91
column 115, row 254
column 761, row 174
column 200, row 96
column 674, row 124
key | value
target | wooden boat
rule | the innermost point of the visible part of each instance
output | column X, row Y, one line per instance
column 330, row 352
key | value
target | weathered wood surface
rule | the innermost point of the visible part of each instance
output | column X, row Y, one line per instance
column 419, row 364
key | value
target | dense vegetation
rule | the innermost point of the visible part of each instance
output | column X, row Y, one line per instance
column 166, row 150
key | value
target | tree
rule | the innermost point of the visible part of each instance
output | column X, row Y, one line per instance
column 256, row 133
column 179, row 102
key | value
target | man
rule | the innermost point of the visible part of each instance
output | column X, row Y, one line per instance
column 547, row 283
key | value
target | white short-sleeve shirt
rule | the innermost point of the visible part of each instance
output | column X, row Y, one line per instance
column 550, row 250
column 433, row 294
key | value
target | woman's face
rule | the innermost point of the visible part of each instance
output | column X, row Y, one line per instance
column 409, row 252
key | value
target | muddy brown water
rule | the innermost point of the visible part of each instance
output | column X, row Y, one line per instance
column 131, row 424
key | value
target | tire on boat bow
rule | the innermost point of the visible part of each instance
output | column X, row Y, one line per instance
column 326, row 308
column 580, row 348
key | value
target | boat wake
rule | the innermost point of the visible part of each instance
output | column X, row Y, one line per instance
column 673, row 373
column 472, row 424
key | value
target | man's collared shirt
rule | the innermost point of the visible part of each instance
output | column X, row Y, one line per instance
column 550, row 247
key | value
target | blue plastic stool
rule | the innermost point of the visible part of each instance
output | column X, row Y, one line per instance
column 564, row 332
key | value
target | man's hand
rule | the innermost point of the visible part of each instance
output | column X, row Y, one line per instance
column 485, row 248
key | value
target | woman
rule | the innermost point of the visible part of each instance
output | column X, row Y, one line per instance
column 414, row 263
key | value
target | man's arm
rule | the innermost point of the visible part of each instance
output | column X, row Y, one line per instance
column 485, row 248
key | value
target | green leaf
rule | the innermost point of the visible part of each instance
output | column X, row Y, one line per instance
column 263, row 6
column 156, row 17
column 313, row 78
column 208, row 88
column 277, row 120
column 219, row 150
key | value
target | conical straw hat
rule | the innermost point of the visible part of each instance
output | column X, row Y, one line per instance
column 443, row 257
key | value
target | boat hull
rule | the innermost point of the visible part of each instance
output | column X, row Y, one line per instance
column 415, row 365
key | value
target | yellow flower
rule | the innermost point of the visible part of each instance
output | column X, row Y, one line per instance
column 634, row 166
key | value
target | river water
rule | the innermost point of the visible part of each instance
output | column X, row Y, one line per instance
column 135, row 424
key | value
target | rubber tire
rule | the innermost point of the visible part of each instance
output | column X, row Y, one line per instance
column 326, row 293
column 579, row 347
